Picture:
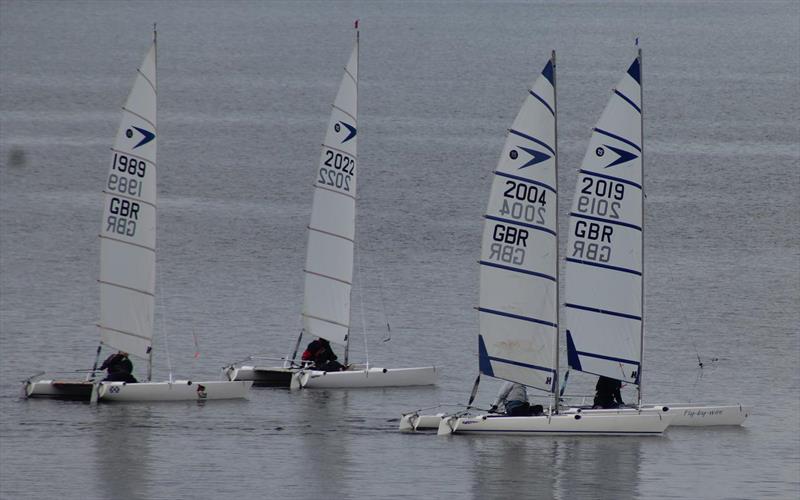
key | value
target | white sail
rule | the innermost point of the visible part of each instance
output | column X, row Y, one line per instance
column 128, row 231
column 329, row 261
column 519, row 262
column 604, row 252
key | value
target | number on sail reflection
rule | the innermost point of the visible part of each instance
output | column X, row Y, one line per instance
column 333, row 178
column 519, row 210
column 124, row 185
column 507, row 253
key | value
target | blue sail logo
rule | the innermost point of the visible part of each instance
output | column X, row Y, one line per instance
column 147, row 136
column 536, row 156
column 622, row 155
column 350, row 129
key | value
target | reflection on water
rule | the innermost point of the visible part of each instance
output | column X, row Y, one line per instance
column 538, row 466
column 325, row 450
column 122, row 451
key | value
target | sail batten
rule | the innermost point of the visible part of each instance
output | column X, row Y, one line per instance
column 604, row 261
column 128, row 228
column 331, row 232
column 518, row 306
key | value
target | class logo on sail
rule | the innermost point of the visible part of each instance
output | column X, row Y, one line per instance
column 622, row 155
column 350, row 129
column 536, row 157
column 147, row 136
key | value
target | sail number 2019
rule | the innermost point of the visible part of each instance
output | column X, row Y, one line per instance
column 336, row 170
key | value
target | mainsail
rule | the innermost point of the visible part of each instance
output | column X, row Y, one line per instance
column 128, row 230
column 518, row 338
column 604, row 299
column 331, row 233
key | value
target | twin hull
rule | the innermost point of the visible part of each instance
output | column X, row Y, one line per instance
column 179, row 390
column 364, row 377
column 641, row 424
column 681, row 415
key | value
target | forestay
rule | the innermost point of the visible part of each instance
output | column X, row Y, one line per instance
column 519, row 260
column 329, row 261
column 128, row 231
column 604, row 299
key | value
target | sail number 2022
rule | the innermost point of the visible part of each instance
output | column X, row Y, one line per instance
column 337, row 170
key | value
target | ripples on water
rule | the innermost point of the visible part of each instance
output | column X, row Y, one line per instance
column 245, row 90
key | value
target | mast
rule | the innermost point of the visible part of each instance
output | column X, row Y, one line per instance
column 355, row 205
column 641, row 145
column 556, row 379
column 155, row 77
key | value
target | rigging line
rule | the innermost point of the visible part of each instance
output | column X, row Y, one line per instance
column 361, row 301
column 388, row 336
column 163, row 325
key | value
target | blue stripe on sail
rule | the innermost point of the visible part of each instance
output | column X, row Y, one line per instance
column 604, row 311
column 537, row 141
column 523, row 179
column 619, row 138
column 628, row 100
column 484, row 366
column 635, row 71
column 605, row 221
column 519, row 363
column 534, row 94
column 517, row 270
column 604, row 266
column 572, row 353
column 607, row 358
column 517, row 316
column 547, row 72
column 518, row 223
column 611, row 177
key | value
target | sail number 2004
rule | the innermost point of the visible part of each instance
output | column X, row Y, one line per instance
column 337, row 170
column 524, row 202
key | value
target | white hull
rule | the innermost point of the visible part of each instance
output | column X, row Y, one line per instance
column 58, row 389
column 358, row 378
column 179, row 390
column 683, row 415
column 642, row 424
column 411, row 422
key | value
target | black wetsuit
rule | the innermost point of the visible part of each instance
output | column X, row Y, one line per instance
column 320, row 352
column 608, row 393
column 120, row 369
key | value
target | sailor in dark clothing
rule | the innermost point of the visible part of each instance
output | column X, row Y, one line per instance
column 320, row 353
column 608, row 393
column 120, row 368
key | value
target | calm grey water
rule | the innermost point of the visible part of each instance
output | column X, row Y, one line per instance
column 244, row 94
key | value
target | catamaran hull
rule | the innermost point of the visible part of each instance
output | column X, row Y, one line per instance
column 594, row 425
column 359, row 378
column 181, row 390
column 683, row 415
column 411, row 422
column 59, row 389
column 261, row 376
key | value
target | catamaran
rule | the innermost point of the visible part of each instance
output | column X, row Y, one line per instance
column 518, row 304
column 605, row 270
column 329, row 264
column 605, row 260
column 127, row 265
